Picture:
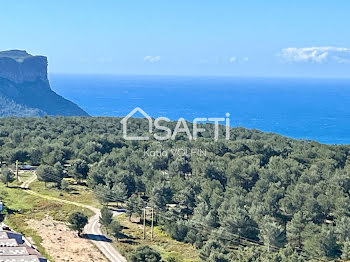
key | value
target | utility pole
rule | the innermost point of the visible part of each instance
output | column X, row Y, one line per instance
column 144, row 223
column 152, row 224
column 17, row 169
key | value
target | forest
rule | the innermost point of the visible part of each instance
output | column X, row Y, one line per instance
column 256, row 197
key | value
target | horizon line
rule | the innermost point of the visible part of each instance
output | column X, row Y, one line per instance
column 203, row 76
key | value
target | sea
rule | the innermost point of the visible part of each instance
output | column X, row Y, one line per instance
column 301, row 108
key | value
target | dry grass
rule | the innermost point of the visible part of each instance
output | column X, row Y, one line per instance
column 75, row 193
column 22, row 207
column 163, row 243
column 64, row 245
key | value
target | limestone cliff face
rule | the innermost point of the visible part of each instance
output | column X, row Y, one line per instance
column 24, row 81
column 19, row 66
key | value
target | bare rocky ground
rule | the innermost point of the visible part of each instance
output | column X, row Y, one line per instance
column 62, row 244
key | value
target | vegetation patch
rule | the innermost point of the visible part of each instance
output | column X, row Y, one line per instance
column 73, row 192
column 131, row 238
column 22, row 207
column 255, row 197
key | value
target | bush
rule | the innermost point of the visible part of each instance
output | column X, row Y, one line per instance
column 145, row 254
column 77, row 222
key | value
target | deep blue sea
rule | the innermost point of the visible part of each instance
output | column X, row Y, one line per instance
column 316, row 109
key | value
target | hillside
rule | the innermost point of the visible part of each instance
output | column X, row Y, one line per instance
column 256, row 197
column 25, row 86
column 10, row 108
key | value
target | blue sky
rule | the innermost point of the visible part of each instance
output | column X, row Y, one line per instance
column 183, row 37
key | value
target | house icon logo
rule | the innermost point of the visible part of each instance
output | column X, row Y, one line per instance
column 124, row 122
column 181, row 127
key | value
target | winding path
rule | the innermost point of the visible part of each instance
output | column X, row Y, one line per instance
column 93, row 228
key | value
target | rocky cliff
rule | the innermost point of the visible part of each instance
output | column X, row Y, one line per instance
column 24, row 82
column 19, row 66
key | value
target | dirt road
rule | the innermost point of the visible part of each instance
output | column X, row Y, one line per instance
column 93, row 228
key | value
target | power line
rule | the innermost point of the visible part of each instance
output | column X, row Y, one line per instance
column 197, row 229
column 211, row 229
column 251, row 241
column 208, row 229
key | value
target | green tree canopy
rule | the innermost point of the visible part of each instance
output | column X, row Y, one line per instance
column 145, row 254
column 7, row 176
column 77, row 222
